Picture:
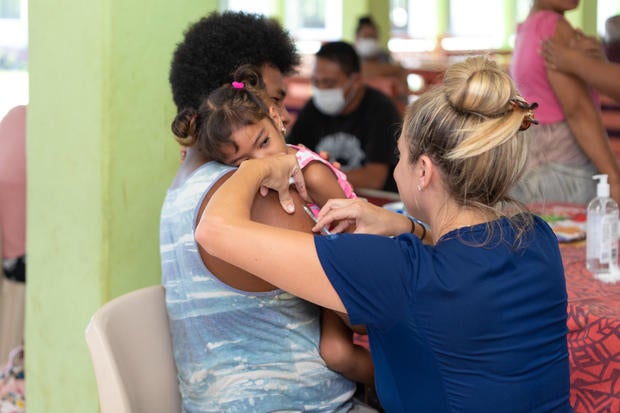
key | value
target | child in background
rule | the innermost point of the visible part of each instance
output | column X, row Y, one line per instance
column 238, row 122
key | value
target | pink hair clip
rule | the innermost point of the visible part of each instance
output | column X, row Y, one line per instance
column 237, row 85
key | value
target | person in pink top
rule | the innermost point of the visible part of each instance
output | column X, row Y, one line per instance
column 12, row 228
column 570, row 144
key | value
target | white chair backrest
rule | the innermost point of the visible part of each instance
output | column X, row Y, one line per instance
column 131, row 349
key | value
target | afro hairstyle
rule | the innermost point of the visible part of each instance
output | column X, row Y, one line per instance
column 214, row 46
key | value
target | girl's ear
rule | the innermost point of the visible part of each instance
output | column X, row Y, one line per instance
column 274, row 114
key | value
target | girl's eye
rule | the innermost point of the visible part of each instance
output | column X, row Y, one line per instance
column 265, row 142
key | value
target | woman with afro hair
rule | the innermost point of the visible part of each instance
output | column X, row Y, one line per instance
column 240, row 344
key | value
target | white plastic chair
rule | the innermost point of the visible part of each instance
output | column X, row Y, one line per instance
column 131, row 349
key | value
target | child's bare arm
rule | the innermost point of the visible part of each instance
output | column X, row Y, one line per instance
column 340, row 353
column 321, row 183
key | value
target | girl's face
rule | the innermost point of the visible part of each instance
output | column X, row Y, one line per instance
column 259, row 140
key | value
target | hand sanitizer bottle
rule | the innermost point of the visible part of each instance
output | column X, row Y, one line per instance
column 602, row 234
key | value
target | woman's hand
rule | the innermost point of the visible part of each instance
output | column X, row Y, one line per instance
column 566, row 57
column 278, row 173
column 364, row 216
column 325, row 156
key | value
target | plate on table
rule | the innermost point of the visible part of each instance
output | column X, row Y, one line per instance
column 568, row 221
column 397, row 206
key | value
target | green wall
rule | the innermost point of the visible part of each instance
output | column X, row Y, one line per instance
column 352, row 10
column 100, row 157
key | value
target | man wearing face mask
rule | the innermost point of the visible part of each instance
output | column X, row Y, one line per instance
column 377, row 62
column 356, row 124
column 367, row 41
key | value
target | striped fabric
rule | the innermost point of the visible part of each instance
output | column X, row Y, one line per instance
column 237, row 351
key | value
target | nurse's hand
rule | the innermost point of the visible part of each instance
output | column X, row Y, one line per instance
column 365, row 217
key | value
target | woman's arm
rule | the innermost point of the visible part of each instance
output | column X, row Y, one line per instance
column 582, row 117
column 273, row 254
column 265, row 210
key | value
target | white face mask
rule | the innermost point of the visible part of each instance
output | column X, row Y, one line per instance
column 367, row 46
column 329, row 101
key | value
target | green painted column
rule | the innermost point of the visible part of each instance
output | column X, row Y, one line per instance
column 584, row 16
column 443, row 16
column 589, row 14
column 100, row 157
column 380, row 11
column 352, row 10
column 510, row 22
column 280, row 11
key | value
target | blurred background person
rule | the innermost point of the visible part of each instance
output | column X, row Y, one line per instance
column 570, row 144
column 377, row 62
column 12, row 229
column 612, row 38
column 367, row 41
column 356, row 124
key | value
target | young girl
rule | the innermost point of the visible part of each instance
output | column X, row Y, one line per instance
column 235, row 123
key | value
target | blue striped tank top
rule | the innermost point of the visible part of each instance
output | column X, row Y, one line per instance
column 237, row 351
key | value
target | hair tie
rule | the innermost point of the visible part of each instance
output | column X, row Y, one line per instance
column 528, row 119
column 237, row 85
column 515, row 103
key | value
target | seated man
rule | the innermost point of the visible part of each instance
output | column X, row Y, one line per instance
column 356, row 124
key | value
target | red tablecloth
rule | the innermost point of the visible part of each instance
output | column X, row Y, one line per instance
column 593, row 336
column 593, row 324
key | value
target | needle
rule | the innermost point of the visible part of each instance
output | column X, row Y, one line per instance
column 311, row 215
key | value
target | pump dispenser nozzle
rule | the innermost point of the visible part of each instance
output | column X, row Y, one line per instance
column 602, row 188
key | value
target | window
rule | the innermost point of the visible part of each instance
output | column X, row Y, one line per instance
column 605, row 9
column 311, row 19
column 310, row 22
column 414, row 26
column 265, row 7
column 399, row 16
column 417, row 24
column 9, row 9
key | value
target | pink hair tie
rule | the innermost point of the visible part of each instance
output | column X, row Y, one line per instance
column 237, row 85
